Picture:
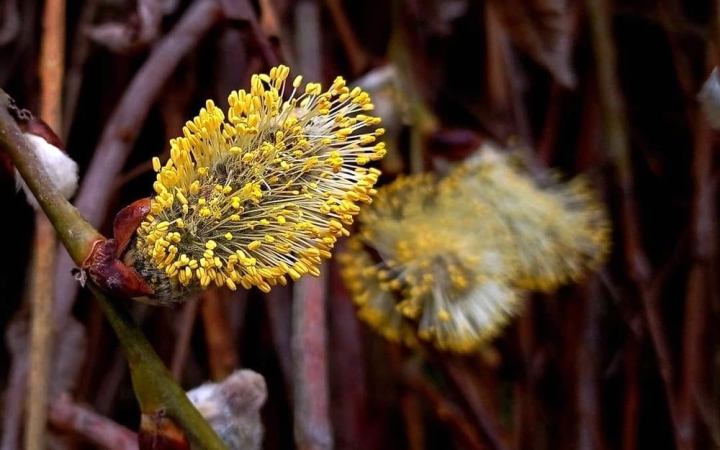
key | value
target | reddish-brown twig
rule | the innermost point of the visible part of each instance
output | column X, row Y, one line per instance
column 112, row 381
column 631, row 395
column 76, row 69
column 68, row 417
column 14, row 399
column 463, row 381
column 550, row 132
column 524, row 395
column 269, row 21
column 697, row 297
column 507, row 102
column 10, row 26
column 173, row 103
column 221, row 349
column 313, row 430
column 356, row 55
column 590, row 431
column 347, row 364
column 410, row 405
column 42, row 331
column 445, row 410
column 278, row 306
column 242, row 12
column 186, row 324
column 52, row 61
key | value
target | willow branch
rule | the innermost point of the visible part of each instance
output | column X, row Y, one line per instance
column 14, row 394
column 11, row 23
column 155, row 389
column 221, row 348
column 242, row 11
column 81, row 46
column 356, row 55
column 348, row 364
column 41, row 344
column 698, row 294
column 91, row 426
column 124, row 126
column 185, row 324
column 446, row 411
column 313, row 427
column 41, row 299
column 278, row 305
column 457, row 374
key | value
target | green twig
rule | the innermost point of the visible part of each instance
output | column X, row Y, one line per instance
column 155, row 388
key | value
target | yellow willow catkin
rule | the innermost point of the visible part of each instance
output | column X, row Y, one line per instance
column 261, row 194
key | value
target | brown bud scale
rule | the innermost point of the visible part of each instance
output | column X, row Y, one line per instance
column 111, row 275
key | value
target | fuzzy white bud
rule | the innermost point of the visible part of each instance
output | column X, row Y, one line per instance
column 233, row 408
column 61, row 169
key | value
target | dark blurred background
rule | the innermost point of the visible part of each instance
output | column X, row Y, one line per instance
column 627, row 359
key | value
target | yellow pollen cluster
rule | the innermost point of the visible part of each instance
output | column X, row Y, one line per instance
column 447, row 261
column 261, row 194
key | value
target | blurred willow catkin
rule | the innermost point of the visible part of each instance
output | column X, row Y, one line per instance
column 446, row 261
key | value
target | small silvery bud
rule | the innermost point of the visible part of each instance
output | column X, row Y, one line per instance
column 233, row 408
column 60, row 168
